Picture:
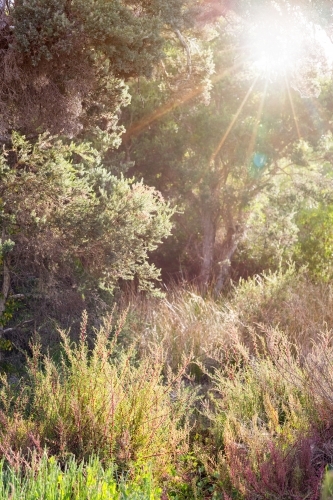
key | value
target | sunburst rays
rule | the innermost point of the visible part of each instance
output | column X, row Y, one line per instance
column 138, row 127
column 293, row 108
column 251, row 146
column 233, row 121
column 166, row 108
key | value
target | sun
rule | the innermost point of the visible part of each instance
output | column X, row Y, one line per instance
column 276, row 49
column 275, row 42
column 281, row 44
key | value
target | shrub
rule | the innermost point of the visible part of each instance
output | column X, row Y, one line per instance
column 271, row 415
column 257, row 419
column 287, row 299
column 75, row 229
column 327, row 487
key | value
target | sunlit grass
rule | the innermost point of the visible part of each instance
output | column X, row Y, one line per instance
column 262, row 360
column 100, row 401
column 265, row 360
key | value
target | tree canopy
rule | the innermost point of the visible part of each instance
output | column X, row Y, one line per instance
column 214, row 104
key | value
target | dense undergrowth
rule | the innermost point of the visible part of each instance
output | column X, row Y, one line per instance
column 185, row 397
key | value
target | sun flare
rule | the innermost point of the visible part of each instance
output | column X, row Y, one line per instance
column 275, row 42
column 282, row 44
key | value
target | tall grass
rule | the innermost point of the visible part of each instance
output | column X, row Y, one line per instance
column 186, row 324
column 263, row 428
column 101, row 401
column 264, row 419
column 287, row 299
column 266, row 349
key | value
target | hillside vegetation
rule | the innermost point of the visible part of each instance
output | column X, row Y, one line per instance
column 166, row 243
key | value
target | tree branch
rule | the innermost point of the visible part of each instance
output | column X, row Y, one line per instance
column 187, row 50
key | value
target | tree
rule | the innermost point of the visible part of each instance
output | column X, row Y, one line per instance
column 301, row 28
column 63, row 63
column 213, row 159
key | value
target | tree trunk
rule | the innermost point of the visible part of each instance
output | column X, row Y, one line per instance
column 208, row 242
column 4, row 295
column 5, row 288
column 229, row 246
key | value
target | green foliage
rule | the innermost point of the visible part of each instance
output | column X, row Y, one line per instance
column 290, row 218
column 73, row 228
column 6, row 246
column 48, row 30
column 259, row 299
column 11, row 306
column 265, row 417
column 42, row 29
column 5, row 345
column 270, row 399
column 89, row 480
column 315, row 241
column 259, row 405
